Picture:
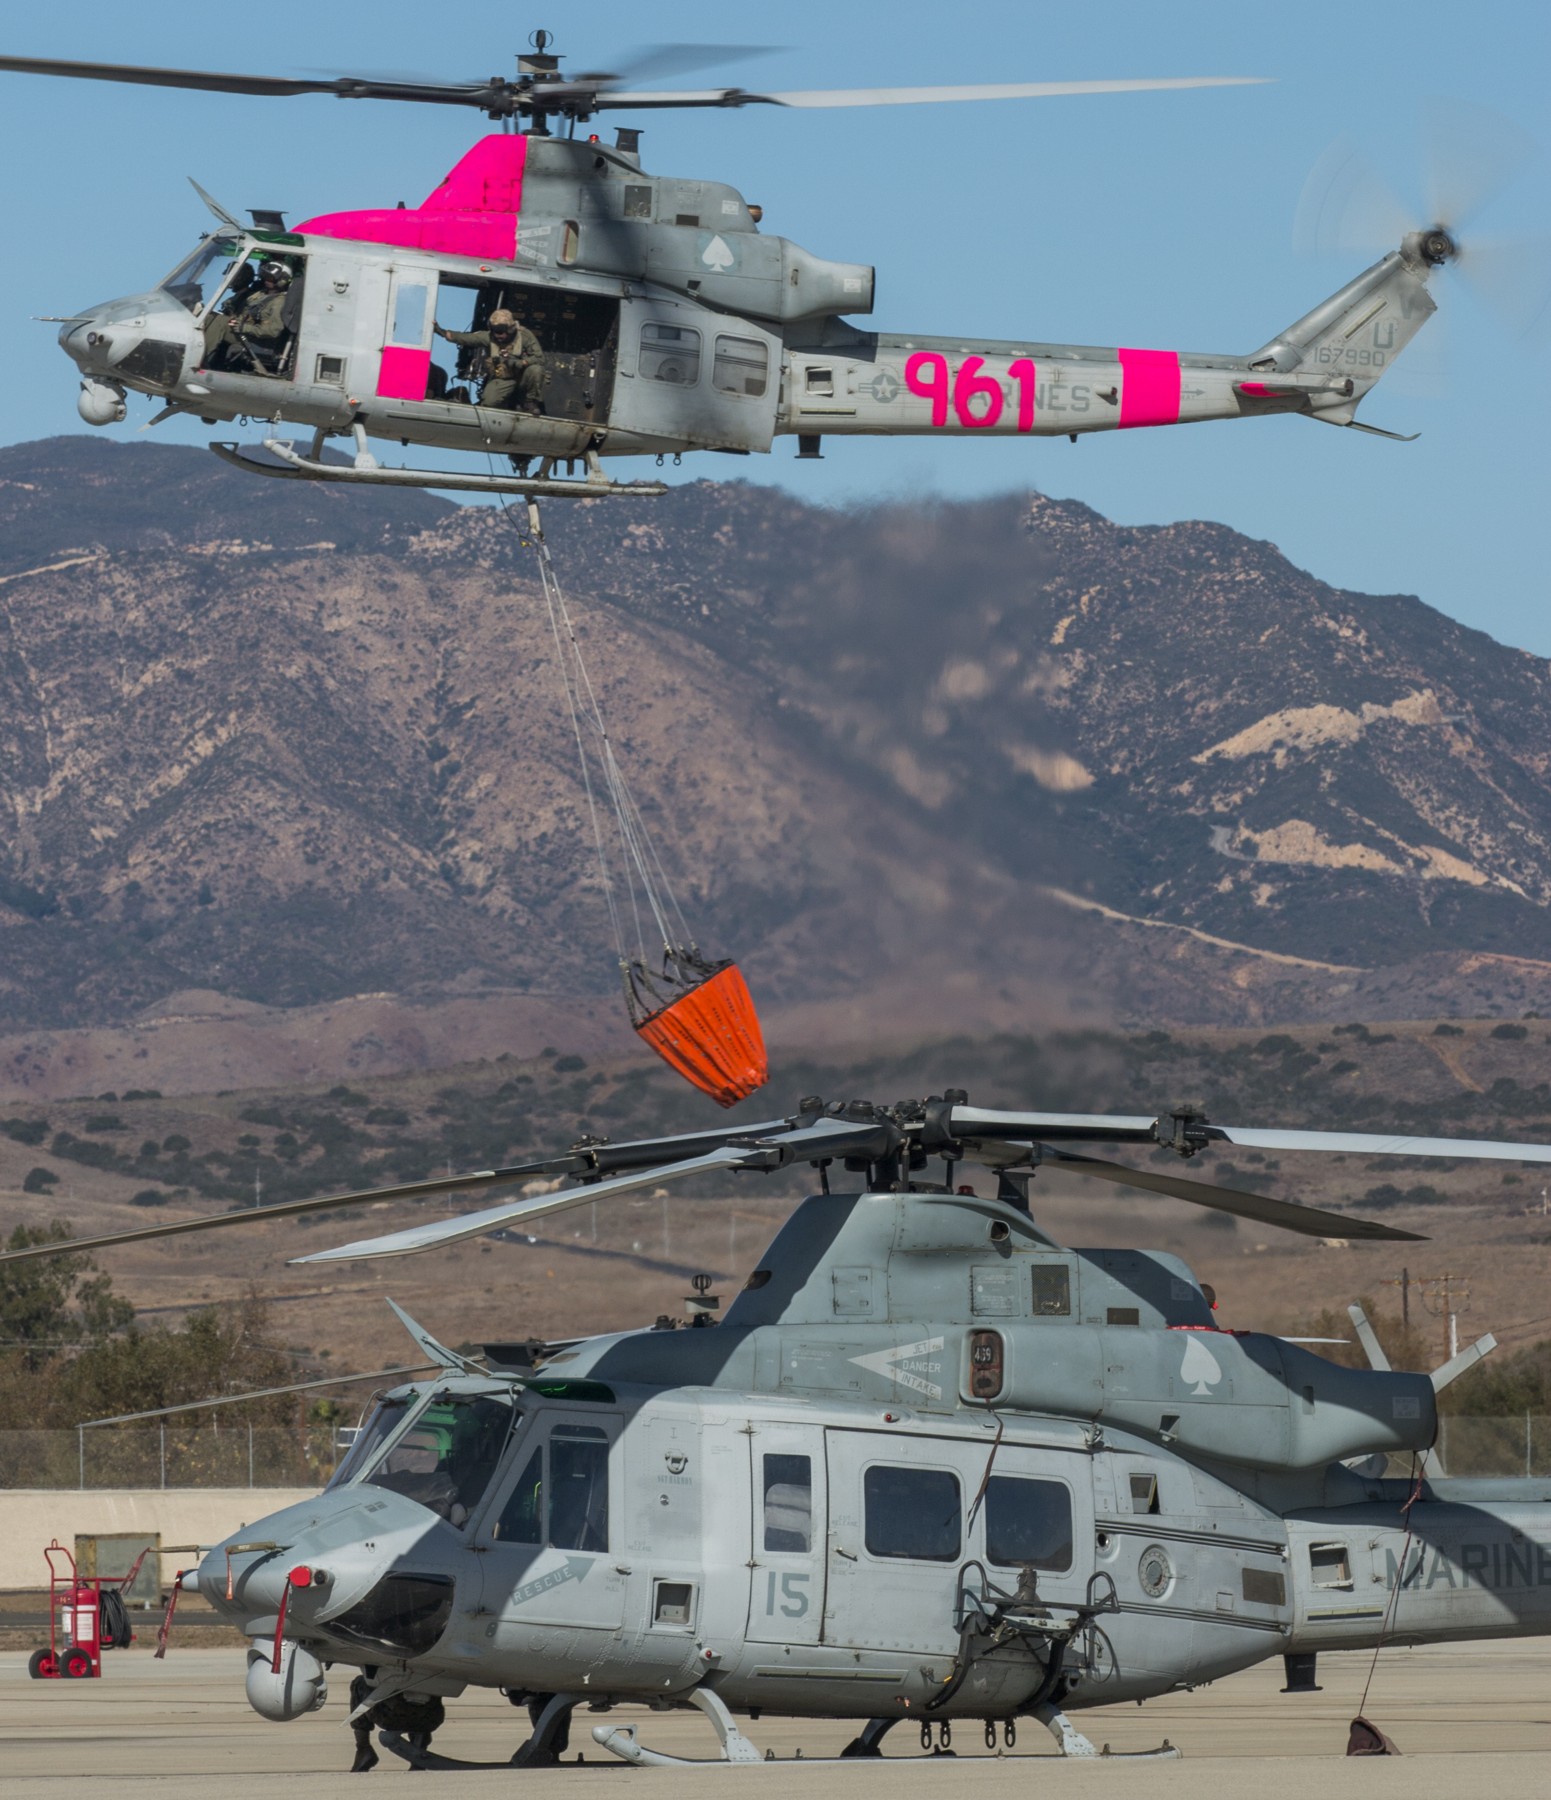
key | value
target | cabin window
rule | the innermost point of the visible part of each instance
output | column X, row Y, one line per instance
column 1030, row 1522
column 741, row 366
column 670, row 353
column 1124, row 1315
column 1052, row 1291
column 820, row 382
column 411, row 302
column 912, row 1513
column 330, row 371
column 638, row 202
column 788, row 1503
column 569, row 242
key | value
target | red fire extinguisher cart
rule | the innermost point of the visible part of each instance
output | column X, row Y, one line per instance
column 86, row 1615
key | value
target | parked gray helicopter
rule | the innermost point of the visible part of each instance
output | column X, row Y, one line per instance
column 932, row 1466
column 668, row 321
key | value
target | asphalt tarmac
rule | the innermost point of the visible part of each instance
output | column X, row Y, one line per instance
column 1473, row 1717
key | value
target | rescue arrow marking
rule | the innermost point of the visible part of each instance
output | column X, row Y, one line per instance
column 575, row 1568
column 908, row 1364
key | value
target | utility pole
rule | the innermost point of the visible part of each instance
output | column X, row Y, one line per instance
column 1447, row 1296
column 1404, row 1284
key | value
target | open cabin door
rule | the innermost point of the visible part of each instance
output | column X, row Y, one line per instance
column 697, row 377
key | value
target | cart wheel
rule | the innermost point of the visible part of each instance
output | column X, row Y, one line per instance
column 41, row 1665
column 77, row 1664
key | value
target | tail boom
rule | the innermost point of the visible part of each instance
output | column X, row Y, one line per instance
column 871, row 384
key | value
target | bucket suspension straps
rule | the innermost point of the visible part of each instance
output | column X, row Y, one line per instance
column 694, row 1011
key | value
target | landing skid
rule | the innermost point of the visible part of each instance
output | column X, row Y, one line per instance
column 277, row 457
column 621, row 1741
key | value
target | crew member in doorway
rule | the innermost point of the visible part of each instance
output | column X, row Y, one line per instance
column 258, row 320
column 514, row 362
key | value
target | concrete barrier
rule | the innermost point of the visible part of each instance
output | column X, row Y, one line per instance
column 30, row 1517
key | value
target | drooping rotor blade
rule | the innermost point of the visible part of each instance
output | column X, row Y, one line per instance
column 1369, row 1339
column 1094, row 1128
column 821, row 1137
column 448, row 1231
column 290, row 1209
column 1362, row 1143
column 1312, row 1221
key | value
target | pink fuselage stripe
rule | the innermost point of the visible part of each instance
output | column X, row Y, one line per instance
column 1149, row 387
column 404, row 373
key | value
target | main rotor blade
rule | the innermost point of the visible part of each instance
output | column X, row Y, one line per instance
column 1361, row 1143
column 1312, row 1221
column 1369, row 1339
column 475, row 1224
column 290, row 1209
column 1108, row 1128
column 822, row 1137
column 344, row 87
column 912, row 96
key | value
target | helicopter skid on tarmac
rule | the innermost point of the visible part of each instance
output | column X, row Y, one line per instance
column 932, row 1467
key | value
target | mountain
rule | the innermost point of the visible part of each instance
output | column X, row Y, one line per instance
column 915, row 763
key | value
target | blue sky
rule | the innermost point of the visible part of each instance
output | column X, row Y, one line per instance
column 1161, row 220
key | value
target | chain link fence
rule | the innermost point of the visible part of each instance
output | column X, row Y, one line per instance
column 167, row 1456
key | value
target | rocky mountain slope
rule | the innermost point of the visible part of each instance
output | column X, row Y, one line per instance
column 290, row 745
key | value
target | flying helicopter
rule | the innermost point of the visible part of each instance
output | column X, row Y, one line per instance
column 931, row 1467
column 666, row 320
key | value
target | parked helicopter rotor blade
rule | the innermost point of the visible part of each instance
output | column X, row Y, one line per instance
column 1311, row 1221
column 820, row 1137
column 967, row 1122
column 1369, row 1339
column 1363, row 1143
column 347, row 87
column 290, row 1209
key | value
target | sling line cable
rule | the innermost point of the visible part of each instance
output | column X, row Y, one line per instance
column 698, row 1015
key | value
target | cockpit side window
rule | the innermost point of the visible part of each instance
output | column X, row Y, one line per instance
column 565, row 1504
column 445, row 1460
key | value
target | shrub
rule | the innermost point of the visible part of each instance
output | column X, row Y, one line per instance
column 25, row 1131
column 1514, row 1034
column 39, row 1181
column 148, row 1197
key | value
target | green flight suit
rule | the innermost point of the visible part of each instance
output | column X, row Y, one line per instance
column 259, row 319
column 514, row 372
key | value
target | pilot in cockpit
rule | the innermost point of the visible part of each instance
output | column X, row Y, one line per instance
column 255, row 330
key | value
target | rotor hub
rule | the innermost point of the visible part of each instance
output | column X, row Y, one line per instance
column 1437, row 246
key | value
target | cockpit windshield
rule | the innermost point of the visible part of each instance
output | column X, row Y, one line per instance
column 385, row 1418
column 198, row 278
column 446, row 1458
